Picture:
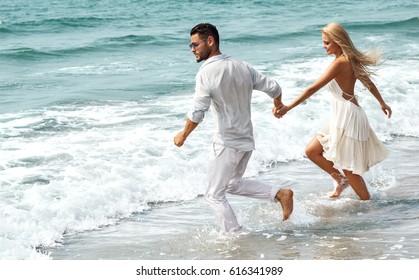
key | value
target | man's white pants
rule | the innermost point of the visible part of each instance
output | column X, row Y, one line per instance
column 225, row 171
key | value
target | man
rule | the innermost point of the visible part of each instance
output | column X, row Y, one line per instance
column 226, row 85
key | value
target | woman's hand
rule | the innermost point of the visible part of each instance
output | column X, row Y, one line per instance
column 386, row 109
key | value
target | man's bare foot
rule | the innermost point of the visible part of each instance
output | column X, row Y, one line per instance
column 285, row 197
column 343, row 184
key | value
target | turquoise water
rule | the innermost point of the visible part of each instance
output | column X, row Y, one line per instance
column 92, row 93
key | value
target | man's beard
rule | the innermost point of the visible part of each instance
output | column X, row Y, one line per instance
column 203, row 56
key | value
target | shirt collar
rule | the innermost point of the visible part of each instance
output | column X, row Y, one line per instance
column 214, row 59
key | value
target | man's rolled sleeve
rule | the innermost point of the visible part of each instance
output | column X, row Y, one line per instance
column 200, row 105
column 266, row 84
column 196, row 116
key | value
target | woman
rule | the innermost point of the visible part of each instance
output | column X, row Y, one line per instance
column 347, row 142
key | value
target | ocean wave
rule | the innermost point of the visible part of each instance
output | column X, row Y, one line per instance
column 126, row 41
column 100, row 45
column 69, row 152
column 408, row 26
column 59, row 23
column 272, row 38
column 405, row 26
column 4, row 30
column 110, row 43
column 26, row 54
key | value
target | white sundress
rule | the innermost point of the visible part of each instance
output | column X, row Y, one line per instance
column 348, row 139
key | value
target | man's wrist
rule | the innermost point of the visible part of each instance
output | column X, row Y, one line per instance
column 278, row 103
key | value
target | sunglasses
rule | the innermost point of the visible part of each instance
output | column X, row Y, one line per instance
column 196, row 44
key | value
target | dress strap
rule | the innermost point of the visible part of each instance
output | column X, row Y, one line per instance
column 348, row 95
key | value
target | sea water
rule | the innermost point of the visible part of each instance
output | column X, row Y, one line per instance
column 93, row 92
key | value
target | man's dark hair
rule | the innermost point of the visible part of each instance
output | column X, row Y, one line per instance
column 205, row 30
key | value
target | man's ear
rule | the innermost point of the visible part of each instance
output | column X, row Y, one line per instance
column 210, row 41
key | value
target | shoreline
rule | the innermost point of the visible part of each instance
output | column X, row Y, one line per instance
column 320, row 228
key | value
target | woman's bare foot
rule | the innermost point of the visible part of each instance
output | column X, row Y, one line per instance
column 285, row 197
column 343, row 184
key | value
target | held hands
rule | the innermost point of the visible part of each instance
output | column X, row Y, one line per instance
column 279, row 109
column 279, row 112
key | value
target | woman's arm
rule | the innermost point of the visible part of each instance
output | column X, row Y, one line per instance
column 324, row 79
column 373, row 89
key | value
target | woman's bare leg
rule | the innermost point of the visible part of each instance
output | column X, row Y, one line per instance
column 358, row 184
column 314, row 152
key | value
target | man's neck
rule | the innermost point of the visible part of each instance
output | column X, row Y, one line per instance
column 215, row 53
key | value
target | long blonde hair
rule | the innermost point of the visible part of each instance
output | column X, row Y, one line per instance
column 359, row 61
